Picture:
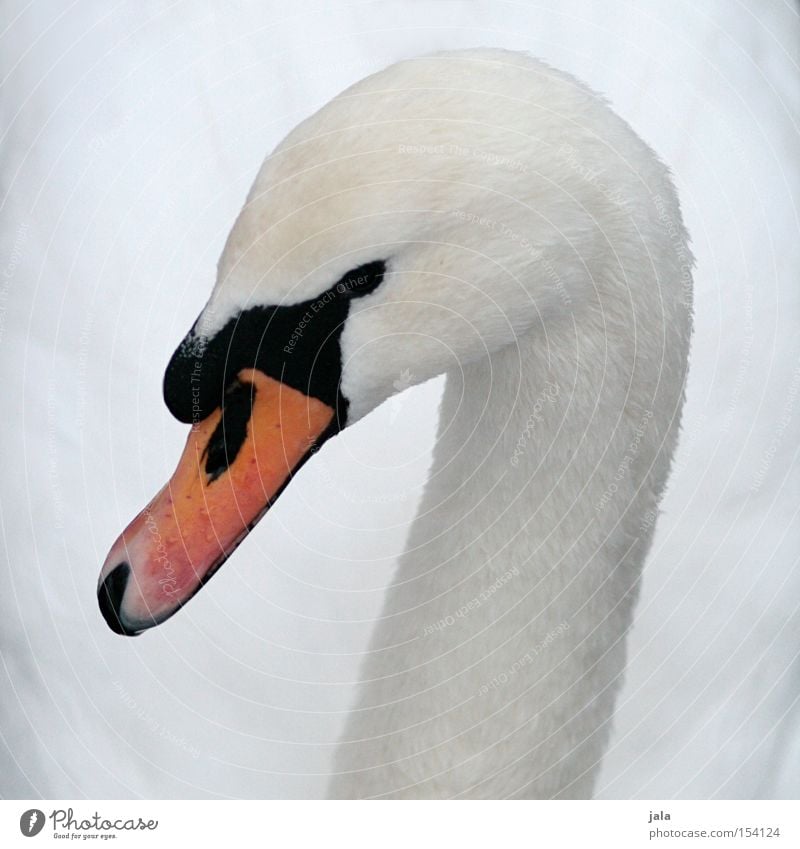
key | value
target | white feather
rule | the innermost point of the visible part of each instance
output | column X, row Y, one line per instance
column 533, row 241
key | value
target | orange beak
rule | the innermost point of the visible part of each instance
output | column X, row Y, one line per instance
column 235, row 464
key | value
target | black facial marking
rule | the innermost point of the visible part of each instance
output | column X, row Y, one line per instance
column 229, row 435
column 362, row 280
column 298, row 345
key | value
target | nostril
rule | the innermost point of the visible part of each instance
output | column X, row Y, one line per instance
column 231, row 432
column 109, row 597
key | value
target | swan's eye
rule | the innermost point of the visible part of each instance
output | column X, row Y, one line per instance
column 362, row 280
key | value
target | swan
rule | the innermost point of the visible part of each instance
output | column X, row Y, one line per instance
column 481, row 215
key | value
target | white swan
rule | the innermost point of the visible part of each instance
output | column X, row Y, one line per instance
column 480, row 214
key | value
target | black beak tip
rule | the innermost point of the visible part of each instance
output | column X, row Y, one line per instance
column 109, row 597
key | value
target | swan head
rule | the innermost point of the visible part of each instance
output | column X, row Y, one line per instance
column 425, row 217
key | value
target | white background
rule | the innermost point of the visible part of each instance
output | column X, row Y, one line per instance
column 131, row 132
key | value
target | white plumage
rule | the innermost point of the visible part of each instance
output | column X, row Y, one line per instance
column 536, row 254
